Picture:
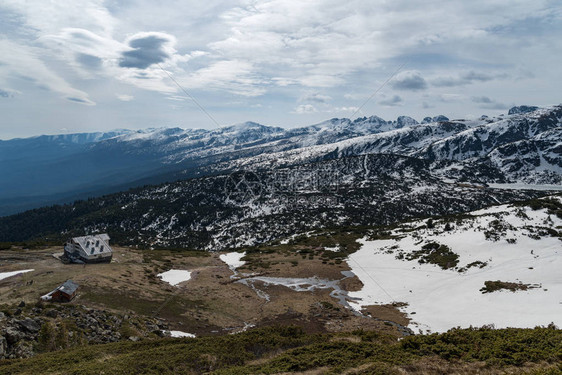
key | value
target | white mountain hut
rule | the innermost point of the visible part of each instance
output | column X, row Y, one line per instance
column 89, row 249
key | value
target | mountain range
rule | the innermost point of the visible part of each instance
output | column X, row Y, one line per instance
column 522, row 147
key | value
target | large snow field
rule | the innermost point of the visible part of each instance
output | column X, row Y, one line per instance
column 439, row 299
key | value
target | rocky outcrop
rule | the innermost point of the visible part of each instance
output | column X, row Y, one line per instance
column 522, row 109
column 53, row 327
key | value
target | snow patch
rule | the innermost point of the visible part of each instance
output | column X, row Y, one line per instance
column 334, row 249
column 174, row 277
column 233, row 260
column 181, row 334
column 5, row 275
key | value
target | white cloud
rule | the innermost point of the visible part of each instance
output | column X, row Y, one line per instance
column 49, row 17
column 125, row 97
column 22, row 62
column 323, row 53
column 345, row 109
column 233, row 76
column 305, row 109
column 315, row 97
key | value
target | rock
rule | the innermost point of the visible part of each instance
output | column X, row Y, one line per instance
column 29, row 325
column 427, row 120
column 403, row 121
column 13, row 335
column 162, row 333
column 17, row 312
column 134, row 338
column 52, row 313
column 3, row 347
column 440, row 118
column 151, row 327
column 21, row 304
column 2, row 315
column 23, row 350
column 522, row 109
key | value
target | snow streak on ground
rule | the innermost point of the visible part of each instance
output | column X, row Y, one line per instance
column 513, row 244
column 522, row 186
column 5, row 275
column 174, row 277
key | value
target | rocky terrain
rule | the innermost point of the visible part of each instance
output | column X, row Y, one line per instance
column 28, row 329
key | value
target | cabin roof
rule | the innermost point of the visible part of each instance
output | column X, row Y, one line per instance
column 68, row 287
column 97, row 242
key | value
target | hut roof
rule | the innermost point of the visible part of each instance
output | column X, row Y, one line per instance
column 98, row 243
column 68, row 287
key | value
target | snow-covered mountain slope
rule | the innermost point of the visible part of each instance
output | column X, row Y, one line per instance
column 518, row 148
column 249, row 208
column 522, row 147
column 481, row 140
column 534, row 160
column 499, row 265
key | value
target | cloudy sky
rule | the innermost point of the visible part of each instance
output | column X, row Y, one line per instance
column 89, row 65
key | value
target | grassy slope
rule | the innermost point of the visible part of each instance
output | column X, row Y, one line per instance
column 289, row 349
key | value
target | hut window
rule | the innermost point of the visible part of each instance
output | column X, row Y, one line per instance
column 97, row 243
column 87, row 243
column 91, row 252
column 101, row 248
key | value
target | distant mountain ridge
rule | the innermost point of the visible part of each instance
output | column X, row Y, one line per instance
column 524, row 146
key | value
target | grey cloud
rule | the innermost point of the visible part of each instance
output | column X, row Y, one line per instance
column 315, row 97
column 6, row 94
column 465, row 79
column 391, row 102
column 147, row 50
column 80, row 100
column 488, row 103
column 448, row 82
column 142, row 75
column 477, row 76
column 411, row 81
column 481, row 99
column 88, row 61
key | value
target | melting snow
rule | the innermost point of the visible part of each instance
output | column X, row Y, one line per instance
column 5, row 275
column 445, row 298
column 174, row 277
column 233, row 260
column 181, row 334
column 307, row 284
column 335, row 248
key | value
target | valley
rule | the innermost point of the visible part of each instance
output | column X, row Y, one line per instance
column 418, row 276
column 279, row 251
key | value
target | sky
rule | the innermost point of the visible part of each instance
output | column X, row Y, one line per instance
column 94, row 65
